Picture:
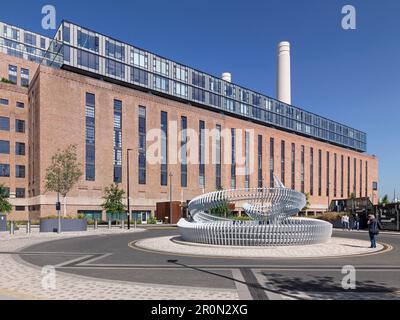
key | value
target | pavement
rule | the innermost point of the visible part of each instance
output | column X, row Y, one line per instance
column 103, row 266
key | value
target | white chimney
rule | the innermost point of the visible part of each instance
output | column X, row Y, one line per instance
column 283, row 85
column 227, row 77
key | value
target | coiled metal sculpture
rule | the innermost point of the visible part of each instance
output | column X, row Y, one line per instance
column 272, row 223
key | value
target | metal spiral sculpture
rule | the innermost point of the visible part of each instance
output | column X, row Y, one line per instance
column 271, row 211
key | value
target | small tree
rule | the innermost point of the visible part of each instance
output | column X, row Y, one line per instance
column 384, row 200
column 113, row 199
column 308, row 204
column 5, row 206
column 63, row 173
column 222, row 210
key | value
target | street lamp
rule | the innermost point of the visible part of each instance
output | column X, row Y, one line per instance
column 170, row 197
column 128, row 193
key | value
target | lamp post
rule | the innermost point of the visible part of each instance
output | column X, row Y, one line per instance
column 128, row 193
column 170, row 197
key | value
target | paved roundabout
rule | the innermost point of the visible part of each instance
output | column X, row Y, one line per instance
column 116, row 259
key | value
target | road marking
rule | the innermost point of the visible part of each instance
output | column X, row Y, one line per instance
column 242, row 289
column 256, row 290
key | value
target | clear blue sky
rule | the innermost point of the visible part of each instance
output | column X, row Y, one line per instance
column 349, row 76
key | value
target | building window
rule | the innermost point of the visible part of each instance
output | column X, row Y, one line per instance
column 335, row 175
column 142, row 145
column 348, row 177
column 90, row 137
column 116, row 69
column 183, row 152
column 117, row 141
column 4, row 170
column 161, row 66
column 202, row 149
column 19, row 208
column 4, row 147
column 260, row 162
column 328, row 182
column 233, row 158
column 293, row 165
column 4, row 124
column 180, row 89
column 355, row 178
column 198, row 79
column 247, row 160
column 342, row 176
column 311, row 171
column 271, row 163
column 180, row 73
column 283, row 162
column 30, row 39
column 115, row 50
column 20, row 149
column 66, row 34
column 4, row 102
column 218, row 154
column 164, row 150
column 319, row 173
column 139, row 58
column 19, row 171
column 161, row 83
column 20, row 126
column 88, row 40
column 302, row 169
column 20, row 105
column 12, row 74
column 88, row 60
column 20, row 193
column 375, row 186
column 139, row 76
column 198, row 94
column 24, row 77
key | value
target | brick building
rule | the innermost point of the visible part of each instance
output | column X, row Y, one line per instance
column 106, row 96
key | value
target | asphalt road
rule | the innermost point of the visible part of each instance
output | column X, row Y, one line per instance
column 110, row 257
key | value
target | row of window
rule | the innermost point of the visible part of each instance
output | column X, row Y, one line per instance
column 5, row 148
column 13, row 75
column 5, row 171
column 151, row 71
column 5, row 125
column 19, row 192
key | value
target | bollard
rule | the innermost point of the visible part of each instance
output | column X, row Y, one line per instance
column 109, row 224
column 11, row 227
column 122, row 223
column 95, row 224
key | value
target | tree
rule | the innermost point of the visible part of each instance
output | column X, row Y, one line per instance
column 384, row 200
column 222, row 210
column 113, row 199
column 63, row 173
column 5, row 206
column 308, row 204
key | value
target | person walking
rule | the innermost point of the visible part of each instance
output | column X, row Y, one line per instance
column 345, row 222
column 356, row 222
column 373, row 229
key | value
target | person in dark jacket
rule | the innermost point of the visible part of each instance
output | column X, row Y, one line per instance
column 373, row 229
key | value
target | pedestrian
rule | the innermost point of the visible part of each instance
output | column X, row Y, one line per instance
column 342, row 221
column 345, row 222
column 373, row 229
column 356, row 222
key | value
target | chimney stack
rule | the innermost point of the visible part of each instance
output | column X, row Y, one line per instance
column 283, row 85
column 227, row 77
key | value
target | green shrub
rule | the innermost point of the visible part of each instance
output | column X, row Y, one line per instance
column 151, row 220
column 241, row 218
column 4, row 80
column 330, row 216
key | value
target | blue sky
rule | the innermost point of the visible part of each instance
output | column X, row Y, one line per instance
column 349, row 76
